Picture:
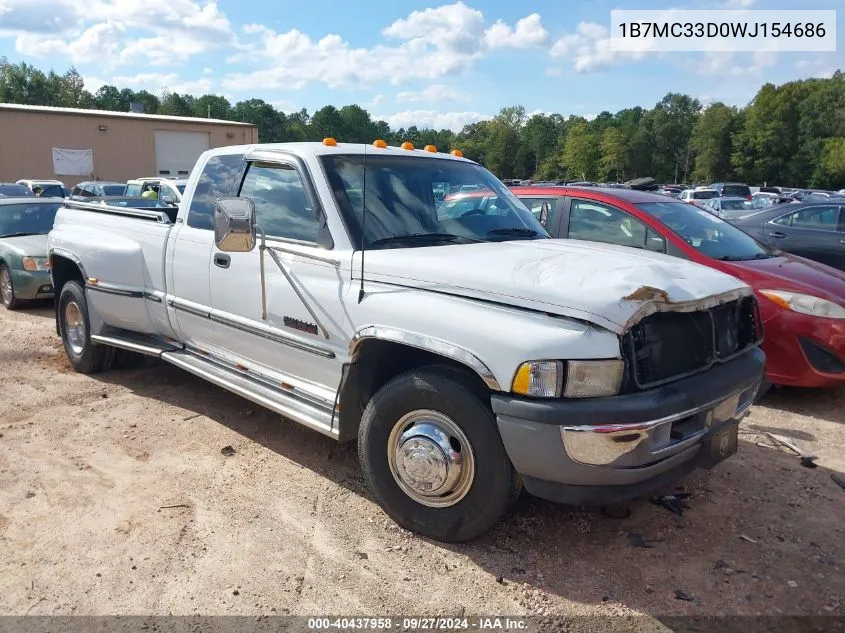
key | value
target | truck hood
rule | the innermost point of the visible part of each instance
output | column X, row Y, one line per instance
column 32, row 245
column 611, row 286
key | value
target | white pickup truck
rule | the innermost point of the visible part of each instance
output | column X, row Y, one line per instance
column 472, row 357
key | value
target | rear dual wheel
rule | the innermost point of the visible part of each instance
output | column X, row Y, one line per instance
column 75, row 329
column 433, row 457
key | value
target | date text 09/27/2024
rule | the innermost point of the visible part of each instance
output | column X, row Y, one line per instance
column 418, row 624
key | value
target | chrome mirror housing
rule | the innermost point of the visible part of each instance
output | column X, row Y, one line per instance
column 234, row 225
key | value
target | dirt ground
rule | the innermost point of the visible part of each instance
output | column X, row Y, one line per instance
column 115, row 498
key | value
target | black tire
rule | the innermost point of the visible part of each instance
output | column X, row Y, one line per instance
column 495, row 485
column 7, row 289
column 85, row 356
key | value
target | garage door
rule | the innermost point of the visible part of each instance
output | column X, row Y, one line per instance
column 176, row 152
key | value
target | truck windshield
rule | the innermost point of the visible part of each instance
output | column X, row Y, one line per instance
column 710, row 235
column 404, row 196
column 28, row 218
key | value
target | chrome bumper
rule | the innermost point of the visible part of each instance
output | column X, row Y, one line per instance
column 644, row 443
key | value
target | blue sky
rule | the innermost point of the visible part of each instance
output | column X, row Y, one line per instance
column 438, row 64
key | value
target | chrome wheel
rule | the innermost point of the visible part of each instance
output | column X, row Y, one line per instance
column 74, row 327
column 6, row 290
column 431, row 458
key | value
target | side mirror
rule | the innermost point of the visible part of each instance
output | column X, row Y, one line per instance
column 234, row 225
column 544, row 214
column 168, row 199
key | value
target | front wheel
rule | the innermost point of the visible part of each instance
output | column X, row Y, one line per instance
column 75, row 328
column 7, row 289
column 432, row 454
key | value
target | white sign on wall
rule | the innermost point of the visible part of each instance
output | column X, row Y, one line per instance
column 73, row 162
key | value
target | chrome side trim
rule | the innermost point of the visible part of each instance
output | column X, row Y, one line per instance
column 281, row 403
column 293, row 387
column 147, row 350
column 117, row 289
column 126, row 291
column 246, row 325
column 197, row 309
column 268, row 332
column 427, row 343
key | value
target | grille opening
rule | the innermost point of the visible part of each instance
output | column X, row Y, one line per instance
column 669, row 344
column 666, row 346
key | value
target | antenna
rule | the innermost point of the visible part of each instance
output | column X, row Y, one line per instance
column 363, row 223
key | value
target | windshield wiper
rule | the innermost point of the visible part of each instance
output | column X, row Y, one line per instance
column 514, row 231
column 733, row 258
column 432, row 238
column 19, row 234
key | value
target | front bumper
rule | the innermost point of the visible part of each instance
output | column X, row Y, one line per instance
column 789, row 338
column 32, row 285
column 606, row 450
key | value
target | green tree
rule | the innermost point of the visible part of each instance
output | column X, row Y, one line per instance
column 580, row 153
column 830, row 171
column 327, row 122
column 712, row 140
column 211, row 106
column 175, row 104
column 271, row 124
column 109, row 98
column 673, row 119
column 612, row 152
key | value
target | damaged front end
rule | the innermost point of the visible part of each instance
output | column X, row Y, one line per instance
column 692, row 371
column 670, row 344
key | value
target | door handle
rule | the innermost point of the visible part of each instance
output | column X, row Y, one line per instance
column 222, row 260
column 777, row 235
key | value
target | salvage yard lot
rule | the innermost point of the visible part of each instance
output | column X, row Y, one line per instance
column 116, row 499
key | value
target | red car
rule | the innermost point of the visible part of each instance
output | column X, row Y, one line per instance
column 801, row 301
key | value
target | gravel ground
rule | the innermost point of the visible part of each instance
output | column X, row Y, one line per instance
column 117, row 499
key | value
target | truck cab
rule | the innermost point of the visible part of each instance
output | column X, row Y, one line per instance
column 469, row 355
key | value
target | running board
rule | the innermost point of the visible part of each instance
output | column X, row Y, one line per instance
column 317, row 418
column 133, row 342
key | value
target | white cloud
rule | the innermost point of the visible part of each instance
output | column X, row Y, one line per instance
column 433, row 43
column 112, row 32
column 730, row 65
column 529, row 32
column 433, row 94
column 158, row 82
column 44, row 16
column 433, row 119
column 93, row 84
column 588, row 48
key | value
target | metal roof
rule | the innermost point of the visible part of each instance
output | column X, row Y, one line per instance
column 119, row 115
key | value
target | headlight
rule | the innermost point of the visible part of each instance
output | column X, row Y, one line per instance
column 540, row 379
column 573, row 379
column 35, row 263
column 593, row 378
column 805, row 304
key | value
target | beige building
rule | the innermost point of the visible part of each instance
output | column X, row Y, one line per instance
column 38, row 142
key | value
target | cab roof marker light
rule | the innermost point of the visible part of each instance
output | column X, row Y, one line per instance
column 380, row 144
column 457, row 152
column 329, row 142
column 430, row 148
column 407, row 145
